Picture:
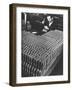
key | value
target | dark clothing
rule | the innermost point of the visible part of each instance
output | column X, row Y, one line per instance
column 53, row 26
column 46, row 23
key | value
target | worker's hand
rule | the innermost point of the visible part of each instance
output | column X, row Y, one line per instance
column 42, row 22
column 46, row 27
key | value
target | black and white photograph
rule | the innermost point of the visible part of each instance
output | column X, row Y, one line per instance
column 40, row 44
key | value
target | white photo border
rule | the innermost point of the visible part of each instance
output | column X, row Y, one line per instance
column 63, row 77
